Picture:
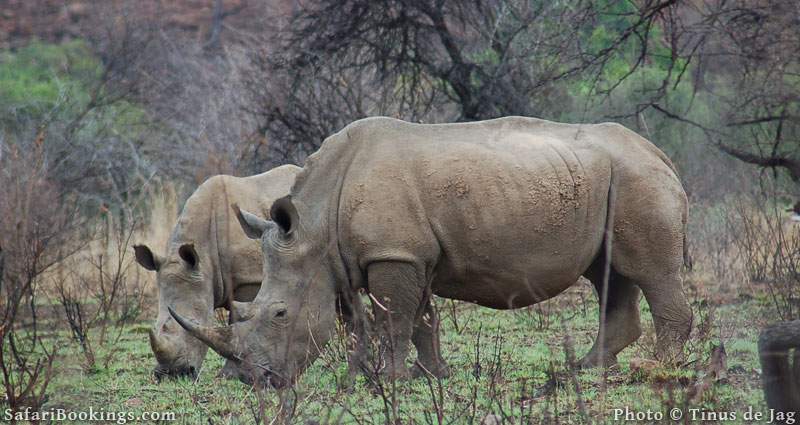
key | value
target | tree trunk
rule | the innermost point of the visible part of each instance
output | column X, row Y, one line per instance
column 781, row 368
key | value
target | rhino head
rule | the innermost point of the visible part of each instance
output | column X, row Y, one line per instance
column 183, row 284
column 294, row 314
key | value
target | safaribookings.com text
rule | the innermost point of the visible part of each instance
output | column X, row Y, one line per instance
column 90, row 415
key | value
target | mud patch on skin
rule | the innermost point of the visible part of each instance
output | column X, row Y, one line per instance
column 560, row 198
column 355, row 201
column 455, row 186
column 620, row 226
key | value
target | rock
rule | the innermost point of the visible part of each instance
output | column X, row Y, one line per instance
column 491, row 419
column 643, row 366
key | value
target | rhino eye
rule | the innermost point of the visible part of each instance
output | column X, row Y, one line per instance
column 280, row 313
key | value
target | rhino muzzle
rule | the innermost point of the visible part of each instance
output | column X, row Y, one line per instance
column 160, row 372
column 168, row 359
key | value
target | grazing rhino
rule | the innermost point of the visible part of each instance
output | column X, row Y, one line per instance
column 209, row 263
column 502, row 213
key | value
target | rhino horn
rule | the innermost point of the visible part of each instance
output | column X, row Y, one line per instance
column 219, row 338
column 161, row 348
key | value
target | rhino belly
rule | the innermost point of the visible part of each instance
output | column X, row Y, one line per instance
column 515, row 226
column 503, row 286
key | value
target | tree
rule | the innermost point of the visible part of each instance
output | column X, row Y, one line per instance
column 747, row 60
column 438, row 60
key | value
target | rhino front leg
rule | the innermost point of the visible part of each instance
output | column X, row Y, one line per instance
column 426, row 340
column 356, row 323
column 396, row 290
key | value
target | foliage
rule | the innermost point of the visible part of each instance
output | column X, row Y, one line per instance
column 38, row 78
column 60, row 95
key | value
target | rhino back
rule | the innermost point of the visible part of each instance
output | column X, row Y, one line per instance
column 207, row 221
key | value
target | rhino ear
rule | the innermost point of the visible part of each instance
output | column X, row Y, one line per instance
column 252, row 225
column 189, row 254
column 284, row 214
column 147, row 259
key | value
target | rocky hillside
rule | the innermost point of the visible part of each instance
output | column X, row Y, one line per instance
column 58, row 20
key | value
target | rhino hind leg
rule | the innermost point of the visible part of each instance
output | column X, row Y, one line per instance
column 426, row 341
column 622, row 322
column 647, row 248
column 655, row 268
column 672, row 316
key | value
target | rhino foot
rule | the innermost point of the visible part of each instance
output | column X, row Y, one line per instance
column 593, row 360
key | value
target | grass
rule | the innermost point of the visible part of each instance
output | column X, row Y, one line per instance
column 519, row 351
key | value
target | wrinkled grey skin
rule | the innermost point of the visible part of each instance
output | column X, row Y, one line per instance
column 209, row 263
column 502, row 213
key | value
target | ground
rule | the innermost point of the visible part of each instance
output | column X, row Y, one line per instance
column 511, row 364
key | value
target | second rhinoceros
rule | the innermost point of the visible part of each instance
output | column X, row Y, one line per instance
column 208, row 262
column 502, row 213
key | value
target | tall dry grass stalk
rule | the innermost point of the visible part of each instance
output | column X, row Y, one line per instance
column 112, row 243
column 164, row 207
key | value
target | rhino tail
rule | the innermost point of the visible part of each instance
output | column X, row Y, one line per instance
column 609, row 227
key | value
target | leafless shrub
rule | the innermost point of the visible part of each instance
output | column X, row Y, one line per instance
column 768, row 245
column 712, row 244
column 572, row 367
column 425, row 61
column 381, row 347
column 98, row 293
column 35, row 236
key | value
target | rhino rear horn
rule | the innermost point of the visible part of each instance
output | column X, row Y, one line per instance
column 219, row 338
column 161, row 348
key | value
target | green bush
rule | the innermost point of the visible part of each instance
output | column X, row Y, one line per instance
column 38, row 79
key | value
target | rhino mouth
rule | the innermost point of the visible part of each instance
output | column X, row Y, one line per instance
column 265, row 377
column 162, row 372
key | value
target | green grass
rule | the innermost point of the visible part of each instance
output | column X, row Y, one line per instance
column 529, row 346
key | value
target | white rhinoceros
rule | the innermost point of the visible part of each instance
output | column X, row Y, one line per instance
column 502, row 213
column 208, row 262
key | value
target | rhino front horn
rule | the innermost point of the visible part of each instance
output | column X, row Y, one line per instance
column 219, row 338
